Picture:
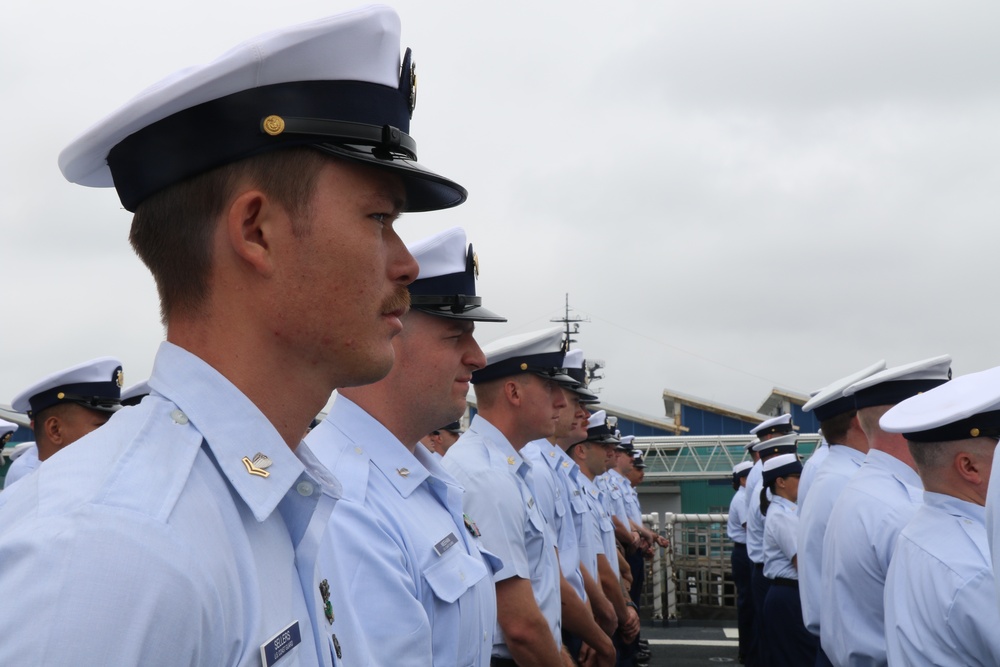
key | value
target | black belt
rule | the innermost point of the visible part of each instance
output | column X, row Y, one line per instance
column 502, row 662
column 791, row 583
column 758, row 566
column 740, row 545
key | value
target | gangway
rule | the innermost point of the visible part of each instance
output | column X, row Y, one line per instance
column 702, row 456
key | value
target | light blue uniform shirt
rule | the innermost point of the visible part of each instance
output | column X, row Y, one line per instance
column 809, row 470
column 498, row 496
column 149, row 542
column 755, row 523
column 552, row 494
column 615, row 485
column 780, row 537
column 606, row 544
column 588, row 531
column 940, row 606
column 632, row 506
column 421, row 589
column 860, row 537
column 838, row 468
column 22, row 466
column 734, row 526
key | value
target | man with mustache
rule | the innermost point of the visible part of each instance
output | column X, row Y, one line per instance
column 264, row 187
column 403, row 552
column 518, row 395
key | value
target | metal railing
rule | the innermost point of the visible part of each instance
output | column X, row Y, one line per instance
column 702, row 456
column 692, row 577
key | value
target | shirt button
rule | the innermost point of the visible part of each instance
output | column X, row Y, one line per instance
column 179, row 417
column 304, row 488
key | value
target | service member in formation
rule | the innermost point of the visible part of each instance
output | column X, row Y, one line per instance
column 441, row 439
column 785, row 642
column 518, row 395
column 736, row 529
column 265, row 186
column 65, row 406
column 593, row 456
column 847, row 447
column 402, row 552
column 772, row 445
column 868, row 516
column 581, row 630
column 7, row 429
column 940, row 604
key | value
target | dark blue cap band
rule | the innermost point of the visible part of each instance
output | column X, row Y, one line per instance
column 834, row 408
column 892, row 392
column 547, row 365
column 104, row 396
column 782, row 471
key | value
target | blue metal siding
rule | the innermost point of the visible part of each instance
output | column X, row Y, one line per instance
column 703, row 422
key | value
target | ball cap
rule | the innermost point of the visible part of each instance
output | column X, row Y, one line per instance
column 966, row 407
column 896, row 384
column 779, row 424
column 335, row 84
column 446, row 284
column 94, row 384
column 538, row 352
column 830, row 401
column 638, row 461
column 781, row 466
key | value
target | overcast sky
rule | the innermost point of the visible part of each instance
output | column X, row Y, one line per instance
column 736, row 194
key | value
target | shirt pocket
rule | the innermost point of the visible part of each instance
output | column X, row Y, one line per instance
column 579, row 504
column 450, row 577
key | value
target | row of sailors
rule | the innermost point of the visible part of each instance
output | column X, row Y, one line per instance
column 520, row 542
column 876, row 552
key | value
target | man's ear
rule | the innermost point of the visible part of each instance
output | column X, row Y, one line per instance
column 52, row 428
column 512, row 390
column 252, row 221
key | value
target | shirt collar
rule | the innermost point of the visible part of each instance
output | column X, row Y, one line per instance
column 961, row 509
column 897, row 468
column 234, row 429
column 502, row 450
column 403, row 470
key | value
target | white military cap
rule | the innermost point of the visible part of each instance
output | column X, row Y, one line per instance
column 538, row 352
column 6, row 430
column 781, row 466
column 780, row 424
column 895, row 385
column 830, row 401
column 335, row 84
column 966, row 407
column 742, row 469
column 94, row 384
column 575, row 366
column 638, row 460
column 783, row 444
column 601, row 428
column 133, row 395
column 446, row 284
column 753, row 443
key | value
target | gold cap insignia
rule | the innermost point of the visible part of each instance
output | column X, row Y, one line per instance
column 273, row 125
column 120, row 378
column 475, row 264
column 974, row 433
column 524, row 366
